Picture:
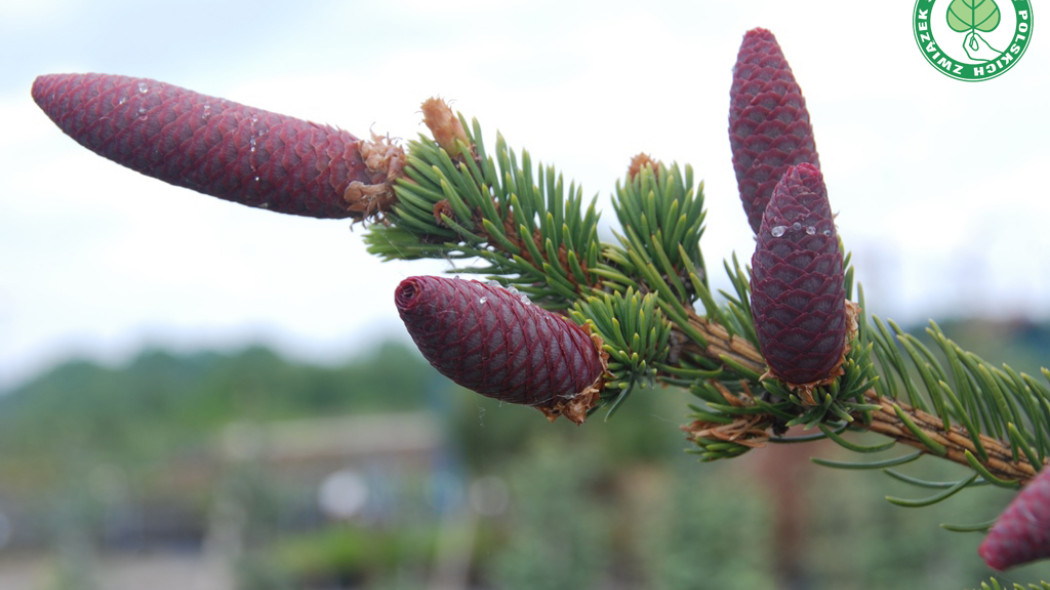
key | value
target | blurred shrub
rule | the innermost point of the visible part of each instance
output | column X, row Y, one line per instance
column 558, row 533
column 709, row 529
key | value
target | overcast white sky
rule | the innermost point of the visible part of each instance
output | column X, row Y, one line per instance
column 940, row 185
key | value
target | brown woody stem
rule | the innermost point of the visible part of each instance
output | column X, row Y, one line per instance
column 721, row 343
column 954, row 441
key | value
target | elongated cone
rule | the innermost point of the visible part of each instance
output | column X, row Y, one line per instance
column 797, row 281
column 218, row 147
column 769, row 128
column 487, row 339
column 1022, row 532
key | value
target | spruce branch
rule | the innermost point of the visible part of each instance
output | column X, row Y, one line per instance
column 534, row 233
column 1001, row 462
column 639, row 311
column 639, row 296
column 926, row 432
column 636, row 337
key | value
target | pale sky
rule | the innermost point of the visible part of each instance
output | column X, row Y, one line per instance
column 940, row 185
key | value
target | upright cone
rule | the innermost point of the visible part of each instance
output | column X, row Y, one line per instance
column 769, row 128
column 798, row 296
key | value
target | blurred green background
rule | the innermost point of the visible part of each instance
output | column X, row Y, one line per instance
column 246, row 470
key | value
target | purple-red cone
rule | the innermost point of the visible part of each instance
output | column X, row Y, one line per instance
column 798, row 297
column 769, row 127
column 487, row 339
column 1022, row 532
column 214, row 146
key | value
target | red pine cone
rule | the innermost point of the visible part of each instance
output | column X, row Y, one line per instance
column 797, row 281
column 769, row 127
column 207, row 144
column 1022, row 532
column 488, row 339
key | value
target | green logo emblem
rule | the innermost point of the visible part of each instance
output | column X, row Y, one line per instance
column 972, row 40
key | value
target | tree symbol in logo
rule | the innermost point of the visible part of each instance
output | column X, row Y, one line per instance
column 971, row 16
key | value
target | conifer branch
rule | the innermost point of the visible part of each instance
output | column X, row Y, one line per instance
column 787, row 346
column 896, row 419
column 955, row 443
column 450, row 208
column 535, row 234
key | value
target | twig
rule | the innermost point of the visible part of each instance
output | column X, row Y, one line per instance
column 955, row 440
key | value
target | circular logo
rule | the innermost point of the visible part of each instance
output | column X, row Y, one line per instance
column 972, row 40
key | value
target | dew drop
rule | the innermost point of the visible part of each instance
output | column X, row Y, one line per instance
column 777, row 231
column 122, row 100
column 257, row 179
column 205, row 112
column 483, row 300
column 796, row 226
column 143, row 87
column 811, row 230
column 525, row 299
column 827, row 232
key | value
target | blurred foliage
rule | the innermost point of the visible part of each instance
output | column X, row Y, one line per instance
column 161, row 402
column 559, row 535
column 612, row 504
column 489, row 430
column 710, row 525
column 353, row 553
